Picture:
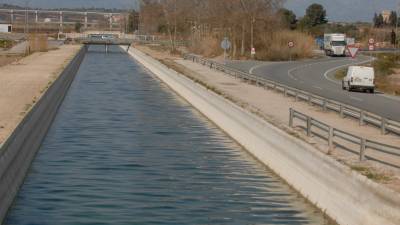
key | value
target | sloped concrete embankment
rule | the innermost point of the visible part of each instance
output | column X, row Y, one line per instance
column 18, row 152
column 344, row 195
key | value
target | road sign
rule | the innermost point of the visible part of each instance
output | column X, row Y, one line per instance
column 353, row 51
column 371, row 41
column 253, row 51
column 290, row 44
column 371, row 47
column 225, row 44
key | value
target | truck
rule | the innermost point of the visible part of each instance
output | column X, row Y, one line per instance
column 359, row 78
column 335, row 44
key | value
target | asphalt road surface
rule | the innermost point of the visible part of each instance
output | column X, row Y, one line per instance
column 316, row 76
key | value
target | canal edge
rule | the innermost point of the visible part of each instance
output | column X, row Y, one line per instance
column 331, row 186
column 20, row 148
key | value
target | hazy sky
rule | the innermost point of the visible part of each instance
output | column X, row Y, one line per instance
column 338, row 10
column 345, row 10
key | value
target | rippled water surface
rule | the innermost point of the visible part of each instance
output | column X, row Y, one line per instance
column 124, row 149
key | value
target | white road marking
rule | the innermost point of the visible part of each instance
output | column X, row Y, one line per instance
column 342, row 66
column 258, row 66
column 355, row 98
column 320, row 88
column 292, row 76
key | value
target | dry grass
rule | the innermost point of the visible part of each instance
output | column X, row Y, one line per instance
column 7, row 59
column 38, row 43
column 275, row 47
column 208, row 47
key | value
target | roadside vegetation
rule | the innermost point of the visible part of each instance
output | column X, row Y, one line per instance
column 260, row 24
column 38, row 43
column 5, row 44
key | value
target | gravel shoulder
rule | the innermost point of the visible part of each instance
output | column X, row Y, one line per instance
column 23, row 82
column 274, row 107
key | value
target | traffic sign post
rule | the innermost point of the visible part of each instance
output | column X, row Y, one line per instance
column 225, row 44
column 371, row 41
column 290, row 45
column 352, row 51
column 371, row 45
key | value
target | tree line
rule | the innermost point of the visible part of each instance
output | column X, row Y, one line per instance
column 240, row 20
column 379, row 20
column 247, row 23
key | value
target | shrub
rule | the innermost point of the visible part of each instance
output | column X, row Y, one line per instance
column 38, row 43
column 274, row 47
column 385, row 64
column 208, row 47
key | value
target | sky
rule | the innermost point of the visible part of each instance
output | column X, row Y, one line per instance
column 337, row 10
column 345, row 10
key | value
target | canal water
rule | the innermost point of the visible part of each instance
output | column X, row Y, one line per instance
column 124, row 149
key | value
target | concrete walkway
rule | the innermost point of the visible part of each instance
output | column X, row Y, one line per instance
column 23, row 83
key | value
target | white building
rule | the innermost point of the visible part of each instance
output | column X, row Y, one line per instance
column 5, row 28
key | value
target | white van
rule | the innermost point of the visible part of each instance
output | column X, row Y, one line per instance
column 359, row 77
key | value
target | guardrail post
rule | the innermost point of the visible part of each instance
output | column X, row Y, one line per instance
column 309, row 126
column 341, row 111
column 362, row 149
column 324, row 104
column 383, row 126
column 362, row 115
column 285, row 91
column 296, row 97
column 291, row 115
column 309, row 99
column 330, row 140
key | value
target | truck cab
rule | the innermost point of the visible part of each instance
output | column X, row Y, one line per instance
column 335, row 44
column 359, row 78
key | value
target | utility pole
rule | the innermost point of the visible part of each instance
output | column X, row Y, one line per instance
column 252, row 34
column 397, row 24
column 253, row 20
column 26, row 18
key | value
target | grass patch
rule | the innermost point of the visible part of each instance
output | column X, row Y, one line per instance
column 6, row 43
column 385, row 63
column 384, row 66
column 340, row 74
column 378, row 177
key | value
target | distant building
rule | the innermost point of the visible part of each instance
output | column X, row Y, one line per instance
column 5, row 28
column 386, row 16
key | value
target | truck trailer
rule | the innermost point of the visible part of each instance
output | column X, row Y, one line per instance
column 335, row 44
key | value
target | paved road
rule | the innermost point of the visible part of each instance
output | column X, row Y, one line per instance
column 315, row 76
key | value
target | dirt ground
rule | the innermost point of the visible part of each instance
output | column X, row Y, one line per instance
column 274, row 107
column 5, row 60
column 24, row 81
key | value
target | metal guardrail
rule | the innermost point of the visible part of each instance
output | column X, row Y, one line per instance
column 384, row 124
column 339, row 138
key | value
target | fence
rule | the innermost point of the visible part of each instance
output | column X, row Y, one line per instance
column 339, row 138
column 384, row 124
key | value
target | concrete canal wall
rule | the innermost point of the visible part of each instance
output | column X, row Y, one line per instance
column 344, row 195
column 19, row 150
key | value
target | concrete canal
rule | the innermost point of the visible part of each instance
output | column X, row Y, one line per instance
column 124, row 149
